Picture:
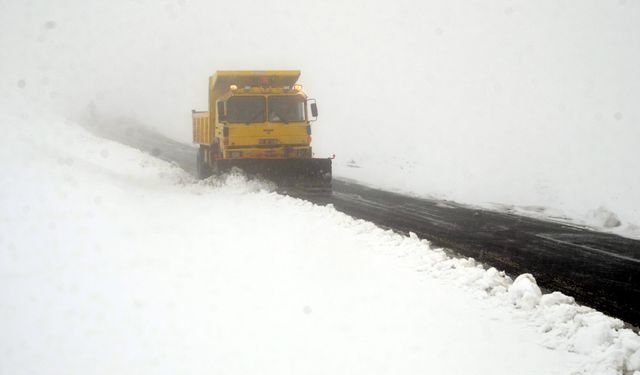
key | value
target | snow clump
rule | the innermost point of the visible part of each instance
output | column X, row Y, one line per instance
column 604, row 218
column 524, row 292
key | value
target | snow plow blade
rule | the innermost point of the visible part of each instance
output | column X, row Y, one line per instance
column 307, row 176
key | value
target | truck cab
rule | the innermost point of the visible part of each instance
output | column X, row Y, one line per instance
column 264, row 122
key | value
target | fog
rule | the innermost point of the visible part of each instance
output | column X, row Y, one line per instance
column 511, row 102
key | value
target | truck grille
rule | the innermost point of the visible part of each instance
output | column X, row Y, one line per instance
column 268, row 141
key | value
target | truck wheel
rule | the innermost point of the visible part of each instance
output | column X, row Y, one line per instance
column 202, row 167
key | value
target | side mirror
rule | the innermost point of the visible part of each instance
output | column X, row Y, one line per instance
column 220, row 110
column 314, row 109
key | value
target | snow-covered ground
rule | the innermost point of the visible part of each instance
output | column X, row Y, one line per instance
column 112, row 261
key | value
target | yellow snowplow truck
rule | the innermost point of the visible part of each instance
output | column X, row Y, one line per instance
column 260, row 122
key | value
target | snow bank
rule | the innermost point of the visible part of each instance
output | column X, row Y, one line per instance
column 610, row 348
column 114, row 261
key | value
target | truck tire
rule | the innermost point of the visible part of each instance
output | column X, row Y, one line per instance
column 202, row 167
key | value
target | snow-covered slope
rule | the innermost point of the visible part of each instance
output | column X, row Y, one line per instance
column 530, row 105
column 113, row 261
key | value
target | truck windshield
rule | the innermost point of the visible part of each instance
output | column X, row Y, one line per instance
column 246, row 109
column 286, row 108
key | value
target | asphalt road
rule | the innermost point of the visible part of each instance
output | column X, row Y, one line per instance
column 598, row 269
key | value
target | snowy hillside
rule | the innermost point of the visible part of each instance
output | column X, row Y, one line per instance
column 113, row 261
column 514, row 105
